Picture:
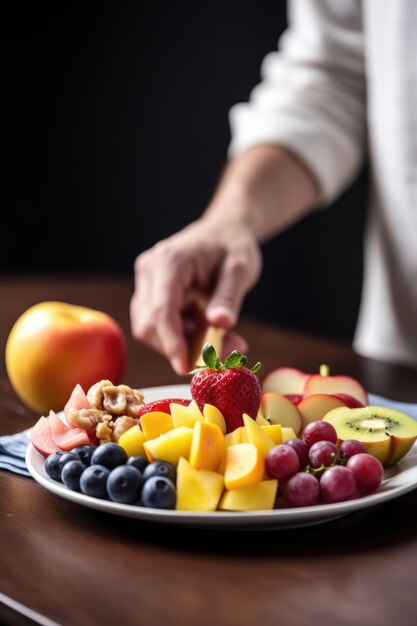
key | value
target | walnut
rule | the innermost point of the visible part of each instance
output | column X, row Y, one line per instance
column 134, row 400
column 104, row 431
column 114, row 400
column 121, row 425
column 87, row 418
column 95, row 393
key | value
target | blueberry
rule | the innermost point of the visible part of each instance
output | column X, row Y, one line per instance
column 159, row 492
column 124, row 484
column 84, row 452
column 93, row 481
column 52, row 467
column 160, row 468
column 71, row 474
column 140, row 462
column 65, row 458
column 110, row 455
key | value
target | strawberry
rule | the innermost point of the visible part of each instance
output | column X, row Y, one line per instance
column 231, row 387
column 161, row 405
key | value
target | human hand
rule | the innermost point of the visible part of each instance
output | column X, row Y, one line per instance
column 222, row 262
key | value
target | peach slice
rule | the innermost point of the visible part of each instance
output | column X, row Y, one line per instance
column 207, row 446
column 285, row 380
column 132, row 441
column 277, row 409
column 315, row 407
column 244, row 466
column 155, row 423
column 274, row 431
column 257, row 436
column 387, row 434
column 197, row 490
column 324, row 383
column 185, row 415
column 253, row 498
column 212, row 415
column 170, row 446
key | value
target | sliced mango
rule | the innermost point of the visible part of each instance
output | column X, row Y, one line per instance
column 155, row 423
column 234, row 437
column 212, row 415
column 185, row 415
column 207, row 446
column 244, row 466
column 132, row 441
column 170, row 446
column 257, row 436
column 261, row 420
column 287, row 433
column 274, row 431
column 197, row 490
column 257, row 497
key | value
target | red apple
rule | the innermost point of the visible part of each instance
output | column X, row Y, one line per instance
column 295, row 398
column 324, row 383
column 277, row 409
column 285, row 381
column 54, row 345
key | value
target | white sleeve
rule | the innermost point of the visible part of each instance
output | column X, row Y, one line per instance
column 312, row 97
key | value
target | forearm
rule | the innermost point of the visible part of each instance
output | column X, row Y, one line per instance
column 264, row 189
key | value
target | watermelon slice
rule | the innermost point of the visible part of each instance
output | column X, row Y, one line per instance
column 78, row 400
column 41, row 439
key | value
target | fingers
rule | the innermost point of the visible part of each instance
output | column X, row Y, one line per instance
column 236, row 276
column 233, row 341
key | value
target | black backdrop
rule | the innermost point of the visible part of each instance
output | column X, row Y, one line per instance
column 115, row 120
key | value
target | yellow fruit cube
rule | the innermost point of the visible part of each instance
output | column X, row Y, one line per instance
column 185, row 415
column 197, row 490
column 287, row 433
column 274, row 431
column 257, row 436
column 257, row 497
column 261, row 420
column 155, row 423
column 244, row 466
column 132, row 441
column 207, row 446
column 214, row 416
column 170, row 446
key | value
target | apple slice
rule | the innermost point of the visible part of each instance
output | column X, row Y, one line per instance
column 277, row 409
column 285, row 380
column 324, row 383
column 315, row 407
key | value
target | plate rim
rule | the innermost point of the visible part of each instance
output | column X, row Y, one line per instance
column 280, row 518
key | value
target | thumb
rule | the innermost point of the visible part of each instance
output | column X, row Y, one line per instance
column 225, row 303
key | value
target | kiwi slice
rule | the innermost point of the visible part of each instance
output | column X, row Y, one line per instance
column 387, row 433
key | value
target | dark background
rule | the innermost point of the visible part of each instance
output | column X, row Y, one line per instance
column 115, row 120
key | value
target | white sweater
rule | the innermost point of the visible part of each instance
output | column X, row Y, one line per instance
column 345, row 82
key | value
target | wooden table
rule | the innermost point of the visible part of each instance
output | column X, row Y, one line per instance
column 79, row 567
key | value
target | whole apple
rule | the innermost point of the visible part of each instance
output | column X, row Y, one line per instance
column 54, row 345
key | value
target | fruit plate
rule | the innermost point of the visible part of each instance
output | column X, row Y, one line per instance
column 398, row 480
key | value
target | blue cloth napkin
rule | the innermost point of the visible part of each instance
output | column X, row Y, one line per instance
column 13, row 451
column 13, row 447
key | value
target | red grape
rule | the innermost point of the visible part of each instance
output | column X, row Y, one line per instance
column 319, row 431
column 337, row 484
column 323, row 453
column 282, row 462
column 302, row 490
column 351, row 447
column 367, row 471
column 301, row 449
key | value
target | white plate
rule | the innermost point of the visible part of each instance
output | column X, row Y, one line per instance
column 398, row 480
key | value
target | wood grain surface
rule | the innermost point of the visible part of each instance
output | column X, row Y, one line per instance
column 78, row 567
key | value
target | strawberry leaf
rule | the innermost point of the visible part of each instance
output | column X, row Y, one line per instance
column 233, row 360
column 210, row 356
